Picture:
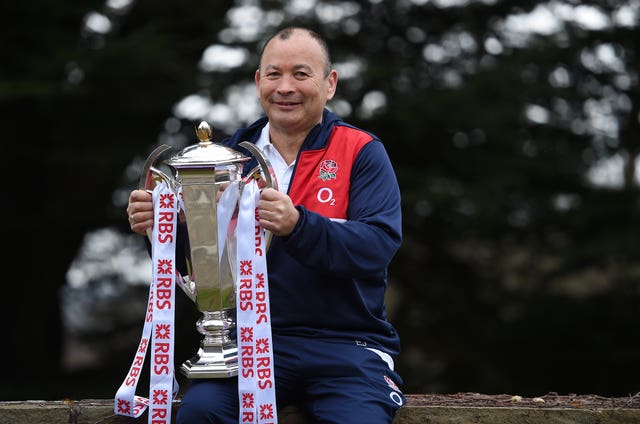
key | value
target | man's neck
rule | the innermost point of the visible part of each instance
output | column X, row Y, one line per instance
column 288, row 145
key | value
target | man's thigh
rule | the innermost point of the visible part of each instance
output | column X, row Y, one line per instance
column 348, row 383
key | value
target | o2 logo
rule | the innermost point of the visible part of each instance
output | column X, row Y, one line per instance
column 325, row 195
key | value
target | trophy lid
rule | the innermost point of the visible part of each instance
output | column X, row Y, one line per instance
column 206, row 154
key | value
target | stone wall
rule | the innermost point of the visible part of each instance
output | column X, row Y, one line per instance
column 100, row 411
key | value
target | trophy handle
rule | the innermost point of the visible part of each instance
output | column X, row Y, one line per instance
column 149, row 178
column 263, row 171
column 150, row 175
column 268, row 173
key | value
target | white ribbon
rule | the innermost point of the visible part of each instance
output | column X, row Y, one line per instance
column 256, row 383
column 159, row 321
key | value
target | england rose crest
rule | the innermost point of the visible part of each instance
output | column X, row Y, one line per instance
column 328, row 169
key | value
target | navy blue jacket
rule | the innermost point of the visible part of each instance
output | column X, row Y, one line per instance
column 328, row 277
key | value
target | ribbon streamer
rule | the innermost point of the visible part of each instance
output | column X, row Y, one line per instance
column 256, row 383
column 159, row 321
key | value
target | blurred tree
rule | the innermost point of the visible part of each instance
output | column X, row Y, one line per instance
column 84, row 88
column 519, row 269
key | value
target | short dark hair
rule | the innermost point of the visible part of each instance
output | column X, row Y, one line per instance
column 286, row 33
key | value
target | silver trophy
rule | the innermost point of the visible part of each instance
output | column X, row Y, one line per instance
column 200, row 171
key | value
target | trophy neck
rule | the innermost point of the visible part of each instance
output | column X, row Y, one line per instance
column 214, row 285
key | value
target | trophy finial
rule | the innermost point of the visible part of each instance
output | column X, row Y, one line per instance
column 204, row 132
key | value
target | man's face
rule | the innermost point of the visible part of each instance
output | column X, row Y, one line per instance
column 292, row 85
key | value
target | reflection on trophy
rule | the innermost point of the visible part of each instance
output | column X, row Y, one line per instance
column 200, row 171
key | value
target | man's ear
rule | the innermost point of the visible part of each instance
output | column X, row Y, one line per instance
column 332, row 81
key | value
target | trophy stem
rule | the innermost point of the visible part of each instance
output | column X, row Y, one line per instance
column 218, row 353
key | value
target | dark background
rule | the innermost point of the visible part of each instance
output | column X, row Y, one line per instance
column 519, row 272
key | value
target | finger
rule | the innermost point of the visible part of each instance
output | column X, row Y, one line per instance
column 139, row 224
column 140, row 196
column 269, row 193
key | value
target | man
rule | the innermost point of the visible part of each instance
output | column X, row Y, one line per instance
column 336, row 221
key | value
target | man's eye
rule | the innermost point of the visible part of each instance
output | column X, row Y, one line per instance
column 301, row 75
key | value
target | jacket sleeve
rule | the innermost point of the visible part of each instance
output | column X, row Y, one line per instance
column 366, row 242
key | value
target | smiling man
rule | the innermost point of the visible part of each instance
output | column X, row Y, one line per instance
column 336, row 221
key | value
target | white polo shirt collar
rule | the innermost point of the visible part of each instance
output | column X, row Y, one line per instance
column 282, row 170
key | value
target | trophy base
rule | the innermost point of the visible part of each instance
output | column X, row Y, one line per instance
column 212, row 362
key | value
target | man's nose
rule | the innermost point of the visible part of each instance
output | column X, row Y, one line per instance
column 286, row 84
